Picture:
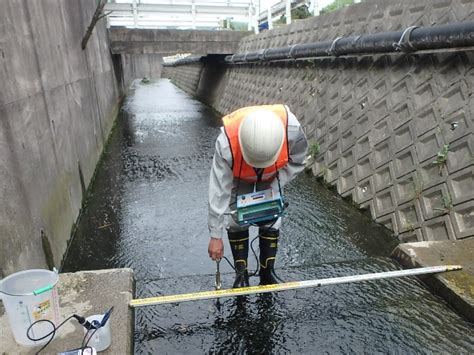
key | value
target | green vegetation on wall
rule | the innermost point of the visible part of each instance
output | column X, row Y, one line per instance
column 299, row 13
column 336, row 5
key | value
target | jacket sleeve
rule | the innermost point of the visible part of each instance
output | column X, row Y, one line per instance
column 298, row 148
column 220, row 186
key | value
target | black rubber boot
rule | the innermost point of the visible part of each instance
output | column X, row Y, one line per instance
column 239, row 245
column 268, row 240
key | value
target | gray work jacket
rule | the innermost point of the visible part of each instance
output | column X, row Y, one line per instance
column 223, row 185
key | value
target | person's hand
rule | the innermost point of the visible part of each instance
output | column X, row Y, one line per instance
column 216, row 249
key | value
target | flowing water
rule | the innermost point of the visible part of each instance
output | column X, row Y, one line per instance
column 148, row 210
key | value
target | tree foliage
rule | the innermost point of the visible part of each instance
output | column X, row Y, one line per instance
column 299, row 13
column 336, row 5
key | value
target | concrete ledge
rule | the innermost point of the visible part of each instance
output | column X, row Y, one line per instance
column 456, row 287
column 85, row 293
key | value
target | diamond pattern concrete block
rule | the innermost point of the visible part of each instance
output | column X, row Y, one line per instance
column 448, row 72
column 384, row 202
column 453, row 99
column 361, row 89
column 347, row 121
column 408, row 216
column 363, row 168
column 333, row 152
column 319, row 167
column 461, row 154
column 389, row 221
column 461, row 185
column 333, row 133
column 407, row 188
column 428, row 145
column 401, row 114
column 404, row 162
column 347, row 160
column 362, row 106
column 425, row 119
column 435, row 201
column 464, row 9
column 431, row 174
column 323, row 144
column 382, row 107
column 347, row 140
column 379, row 91
column 369, row 205
column 456, row 126
column 383, row 177
column 400, row 92
column 363, row 147
column 438, row 229
column 346, row 182
column 332, row 173
column 411, row 236
column 424, row 95
column 382, row 153
column 320, row 129
column 462, row 218
column 382, row 129
column 402, row 137
column 362, row 125
column 363, row 191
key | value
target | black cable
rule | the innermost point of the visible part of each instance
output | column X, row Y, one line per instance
column 84, row 346
column 84, row 338
column 256, row 257
column 53, row 332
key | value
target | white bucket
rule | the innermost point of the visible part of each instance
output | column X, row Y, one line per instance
column 29, row 296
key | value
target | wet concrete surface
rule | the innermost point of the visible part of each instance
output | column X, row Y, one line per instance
column 148, row 211
column 455, row 287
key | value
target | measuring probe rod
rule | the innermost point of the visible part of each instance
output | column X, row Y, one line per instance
column 206, row 295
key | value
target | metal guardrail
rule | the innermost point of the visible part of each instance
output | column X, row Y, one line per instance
column 176, row 13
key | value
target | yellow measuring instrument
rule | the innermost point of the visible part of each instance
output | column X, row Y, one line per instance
column 206, row 295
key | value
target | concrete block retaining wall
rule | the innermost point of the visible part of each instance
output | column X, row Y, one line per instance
column 379, row 121
column 57, row 106
column 186, row 77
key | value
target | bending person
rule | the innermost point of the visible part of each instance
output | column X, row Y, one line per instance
column 259, row 147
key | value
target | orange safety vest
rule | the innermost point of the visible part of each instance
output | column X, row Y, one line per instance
column 240, row 168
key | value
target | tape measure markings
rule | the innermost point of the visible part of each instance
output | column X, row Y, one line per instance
column 287, row 286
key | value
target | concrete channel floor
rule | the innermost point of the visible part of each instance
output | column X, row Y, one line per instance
column 85, row 293
column 456, row 287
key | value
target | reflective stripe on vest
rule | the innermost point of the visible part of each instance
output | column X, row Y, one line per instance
column 240, row 168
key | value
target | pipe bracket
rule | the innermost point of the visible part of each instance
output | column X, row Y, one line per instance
column 332, row 50
column 290, row 53
column 261, row 54
column 404, row 44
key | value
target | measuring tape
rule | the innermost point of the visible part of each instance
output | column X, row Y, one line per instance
column 206, row 295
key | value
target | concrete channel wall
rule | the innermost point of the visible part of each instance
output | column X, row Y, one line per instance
column 137, row 66
column 57, row 107
column 380, row 121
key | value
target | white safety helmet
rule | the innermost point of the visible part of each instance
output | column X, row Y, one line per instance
column 261, row 137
